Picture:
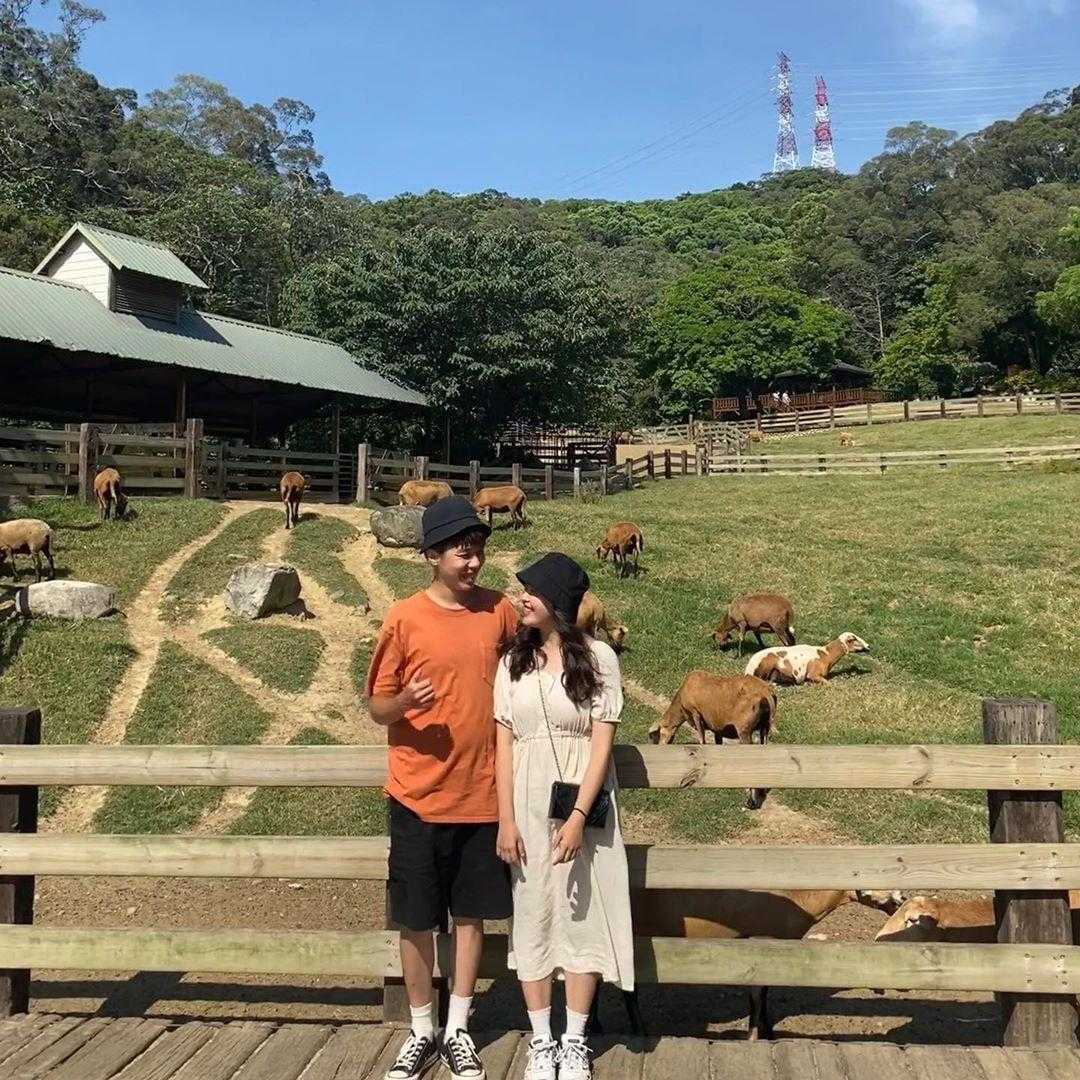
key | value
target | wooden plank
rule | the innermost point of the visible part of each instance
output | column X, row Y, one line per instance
column 226, row 1051
column 943, row 1063
column 169, row 1053
column 374, row 954
column 1029, row 1020
column 349, row 1054
column 999, row 1064
column 676, row 1057
column 1061, row 1063
column 829, row 1062
column 928, row 767
column 148, row 442
column 745, row 1060
column 110, row 1050
column 388, row 1054
column 53, row 1047
column 277, row 455
column 876, row 1060
column 497, row 1052
column 38, row 435
column 617, row 1059
column 654, row 866
column 286, row 1054
column 42, row 1035
column 19, row 1030
column 170, row 483
column 795, row 1058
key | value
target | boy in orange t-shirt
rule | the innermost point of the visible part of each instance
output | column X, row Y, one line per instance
column 431, row 683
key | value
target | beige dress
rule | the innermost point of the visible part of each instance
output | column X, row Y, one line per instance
column 575, row 916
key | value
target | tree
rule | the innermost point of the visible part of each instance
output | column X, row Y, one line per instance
column 1060, row 306
column 726, row 329
column 275, row 138
column 493, row 327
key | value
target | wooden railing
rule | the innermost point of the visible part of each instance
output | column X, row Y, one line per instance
column 866, row 463
column 816, row 399
column 1028, row 865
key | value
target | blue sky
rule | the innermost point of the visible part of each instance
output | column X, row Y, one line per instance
column 623, row 100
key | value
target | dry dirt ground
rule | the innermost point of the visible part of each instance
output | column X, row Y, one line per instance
column 331, row 703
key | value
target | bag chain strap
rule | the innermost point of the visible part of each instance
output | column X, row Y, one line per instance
column 547, row 723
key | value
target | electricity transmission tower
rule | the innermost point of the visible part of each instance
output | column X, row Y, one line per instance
column 822, row 156
column 787, row 153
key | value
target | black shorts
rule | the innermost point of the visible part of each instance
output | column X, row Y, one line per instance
column 439, row 867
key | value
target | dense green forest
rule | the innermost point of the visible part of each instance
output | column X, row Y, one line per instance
column 945, row 264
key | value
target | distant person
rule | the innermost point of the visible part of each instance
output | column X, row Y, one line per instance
column 558, row 699
column 785, row 400
column 430, row 683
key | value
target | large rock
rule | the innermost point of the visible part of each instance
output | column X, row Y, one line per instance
column 398, row 526
column 257, row 589
column 66, row 599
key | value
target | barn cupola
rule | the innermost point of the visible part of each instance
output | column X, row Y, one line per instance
column 128, row 275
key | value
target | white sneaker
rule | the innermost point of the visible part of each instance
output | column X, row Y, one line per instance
column 574, row 1059
column 543, row 1059
column 418, row 1053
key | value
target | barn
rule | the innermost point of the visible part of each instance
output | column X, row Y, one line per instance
column 105, row 330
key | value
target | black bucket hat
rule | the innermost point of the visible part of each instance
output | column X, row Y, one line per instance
column 559, row 580
column 447, row 518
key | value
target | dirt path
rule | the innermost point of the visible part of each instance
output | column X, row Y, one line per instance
column 146, row 632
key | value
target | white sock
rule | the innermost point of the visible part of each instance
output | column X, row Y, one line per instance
column 575, row 1024
column 541, row 1023
column 423, row 1023
column 457, row 1014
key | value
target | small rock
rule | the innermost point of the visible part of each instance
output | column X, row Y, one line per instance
column 398, row 526
column 66, row 599
column 259, row 589
column 294, row 885
column 131, row 910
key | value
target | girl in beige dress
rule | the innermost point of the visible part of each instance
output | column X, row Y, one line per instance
column 558, row 698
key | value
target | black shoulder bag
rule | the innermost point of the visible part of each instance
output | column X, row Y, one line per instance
column 564, row 796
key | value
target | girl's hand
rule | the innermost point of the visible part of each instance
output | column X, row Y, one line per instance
column 568, row 839
column 509, row 845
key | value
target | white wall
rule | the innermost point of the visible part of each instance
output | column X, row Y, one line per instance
column 79, row 264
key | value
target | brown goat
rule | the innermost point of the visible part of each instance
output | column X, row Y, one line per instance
column 423, row 492
column 926, row 918
column 753, row 435
column 504, row 499
column 620, row 542
column 742, row 913
column 846, row 439
column 109, row 489
column 756, row 612
column 26, row 536
column 293, row 486
column 592, row 618
column 736, row 706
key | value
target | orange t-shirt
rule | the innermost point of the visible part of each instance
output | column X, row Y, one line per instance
column 442, row 759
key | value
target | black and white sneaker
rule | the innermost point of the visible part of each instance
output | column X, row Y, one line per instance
column 418, row 1054
column 574, row 1059
column 460, row 1057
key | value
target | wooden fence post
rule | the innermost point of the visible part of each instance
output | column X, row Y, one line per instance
column 18, row 813
column 549, row 481
column 515, row 474
column 979, row 406
column 1057, row 402
column 684, row 469
column 1029, row 917
column 832, row 416
column 869, row 414
column 941, row 408
column 1019, row 404
column 667, row 464
column 422, row 463
column 796, row 421
column 628, row 465
column 193, row 459
column 89, row 445
column 474, row 478
column 604, row 479
column 907, row 409
column 363, row 489
column 577, row 481
column 650, row 462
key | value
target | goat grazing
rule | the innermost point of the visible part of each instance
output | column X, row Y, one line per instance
column 803, row 663
column 846, row 439
column 504, row 499
column 292, row 486
column 109, row 489
column 423, row 492
column 926, row 918
column 741, row 913
column 756, row 612
column 736, row 706
column 26, row 536
column 592, row 618
column 621, row 541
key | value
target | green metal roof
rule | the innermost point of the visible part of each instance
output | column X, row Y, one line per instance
column 123, row 252
column 40, row 310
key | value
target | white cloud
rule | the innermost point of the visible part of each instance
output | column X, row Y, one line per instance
column 959, row 19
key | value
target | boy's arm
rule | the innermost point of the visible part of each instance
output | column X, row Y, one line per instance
column 388, row 709
column 388, row 700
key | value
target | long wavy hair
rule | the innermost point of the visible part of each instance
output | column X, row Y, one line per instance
column 580, row 676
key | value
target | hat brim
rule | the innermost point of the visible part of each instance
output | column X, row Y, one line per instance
column 449, row 529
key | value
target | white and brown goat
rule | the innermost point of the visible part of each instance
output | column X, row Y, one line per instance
column 803, row 663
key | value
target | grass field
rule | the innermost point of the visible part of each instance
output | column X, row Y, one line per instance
column 283, row 657
column 963, row 586
column 958, row 434
column 313, row 548
column 71, row 669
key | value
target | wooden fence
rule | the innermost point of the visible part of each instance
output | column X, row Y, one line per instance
column 870, row 463
column 892, row 412
column 1036, row 967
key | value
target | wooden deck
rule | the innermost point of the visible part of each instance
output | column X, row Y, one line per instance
column 43, row 1045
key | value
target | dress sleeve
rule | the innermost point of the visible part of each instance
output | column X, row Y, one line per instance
column 504, row 706
column 607, row 706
